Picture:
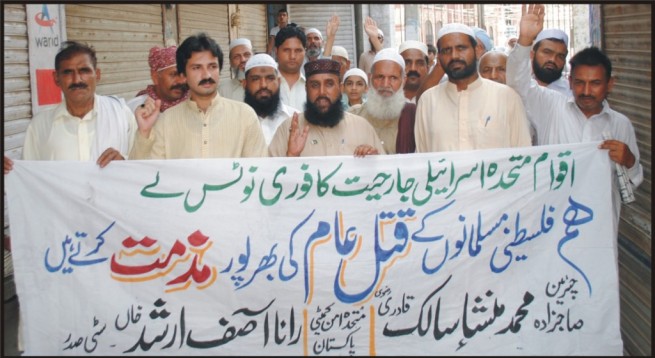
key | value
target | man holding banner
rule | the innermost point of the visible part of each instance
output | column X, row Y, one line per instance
column 586, row 117
column 87, row 126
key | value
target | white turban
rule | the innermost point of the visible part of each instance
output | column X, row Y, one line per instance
column 553, row 33
column 355, row 72
column 314, row 30
column 390, row 54
column 413, row 44
column 261, row 60
column 242, row 41
column 340, row 51
column 455, row 27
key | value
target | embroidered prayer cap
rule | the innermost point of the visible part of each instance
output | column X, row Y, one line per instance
column 483, row 36
column 340, row 51
column 553, row 34
column 455, row 27
column 161, row 58
column 241, row 41
column 413, row 44
column 355, row 72
column 390, row 54
column 260, row 60
column 314, row 30
column 323, row 65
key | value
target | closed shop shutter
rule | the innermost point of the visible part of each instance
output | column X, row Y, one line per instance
column 253, row 25
column 211, row 19
column 317, row 15
column 627, row 41
column 18, row 103
column 122, row 36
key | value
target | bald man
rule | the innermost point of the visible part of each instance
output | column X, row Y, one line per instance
column 492, row 66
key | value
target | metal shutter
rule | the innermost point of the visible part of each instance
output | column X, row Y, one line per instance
column 627, row 41
column 253, row 25
column 121, row 42
column 211, row 19
column 18, row 103
column 317, row 15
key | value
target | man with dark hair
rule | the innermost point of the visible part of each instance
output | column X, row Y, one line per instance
column 282, row 21
column 86, row 126
column 467, row 112
column 324, row 128
column 290, row 43
column 586, row 116
column 204, row 126
column 262, row 93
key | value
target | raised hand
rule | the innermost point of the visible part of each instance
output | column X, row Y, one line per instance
column 531, row 24
column 146, row 115
column 297, row 137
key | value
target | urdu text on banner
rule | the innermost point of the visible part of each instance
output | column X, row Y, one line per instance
column 494, row 252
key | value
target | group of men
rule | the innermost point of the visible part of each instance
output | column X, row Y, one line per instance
column 294, row 105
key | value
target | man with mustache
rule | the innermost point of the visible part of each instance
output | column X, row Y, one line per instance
column 206, row 125
column 386, row 107
column 467, row 112
column 240, row 53
column 324, row 128
column 262, row 93
column 168, row 86
column 85, row 126
column 415, row 55
column 583, row 117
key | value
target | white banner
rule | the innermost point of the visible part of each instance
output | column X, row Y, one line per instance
column 498, row 252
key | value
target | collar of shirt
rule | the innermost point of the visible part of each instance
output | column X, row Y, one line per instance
column 194, row 106
column 604, row 113
column 61, row 112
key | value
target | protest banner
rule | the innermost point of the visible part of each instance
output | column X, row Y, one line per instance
column 494, row 252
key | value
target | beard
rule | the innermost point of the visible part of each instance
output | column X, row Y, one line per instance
column 264, row 107
column 329, row 118
column 468, row 70
column 238, row 74
column 546, row 75
column 313, row 52
column 385, row 108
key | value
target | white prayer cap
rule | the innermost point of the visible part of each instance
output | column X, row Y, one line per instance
column 314, row 30
column 355, row 72
column 390, row 54
column 242, row 41
column 340, row 51
column 553, row 33
column 261, row 60
column 413, row 44
column 455, row 27
column 380, row 33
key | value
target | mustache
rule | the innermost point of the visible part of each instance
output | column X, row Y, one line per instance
column 413, row 73
column 549, row 63
column 323, row 97
column 78, row 85
column 206, row 81
column 456, row 61
column 180, row 86
column 264, row 91
column 582, row 96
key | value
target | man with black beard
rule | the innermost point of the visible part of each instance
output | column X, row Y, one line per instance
column 467, row 112
column 386, row 107
column 548, row 58
column 324, row 128
column 262, row 93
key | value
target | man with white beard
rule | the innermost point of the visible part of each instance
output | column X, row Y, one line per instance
column 386, row 107
column 240, row 53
